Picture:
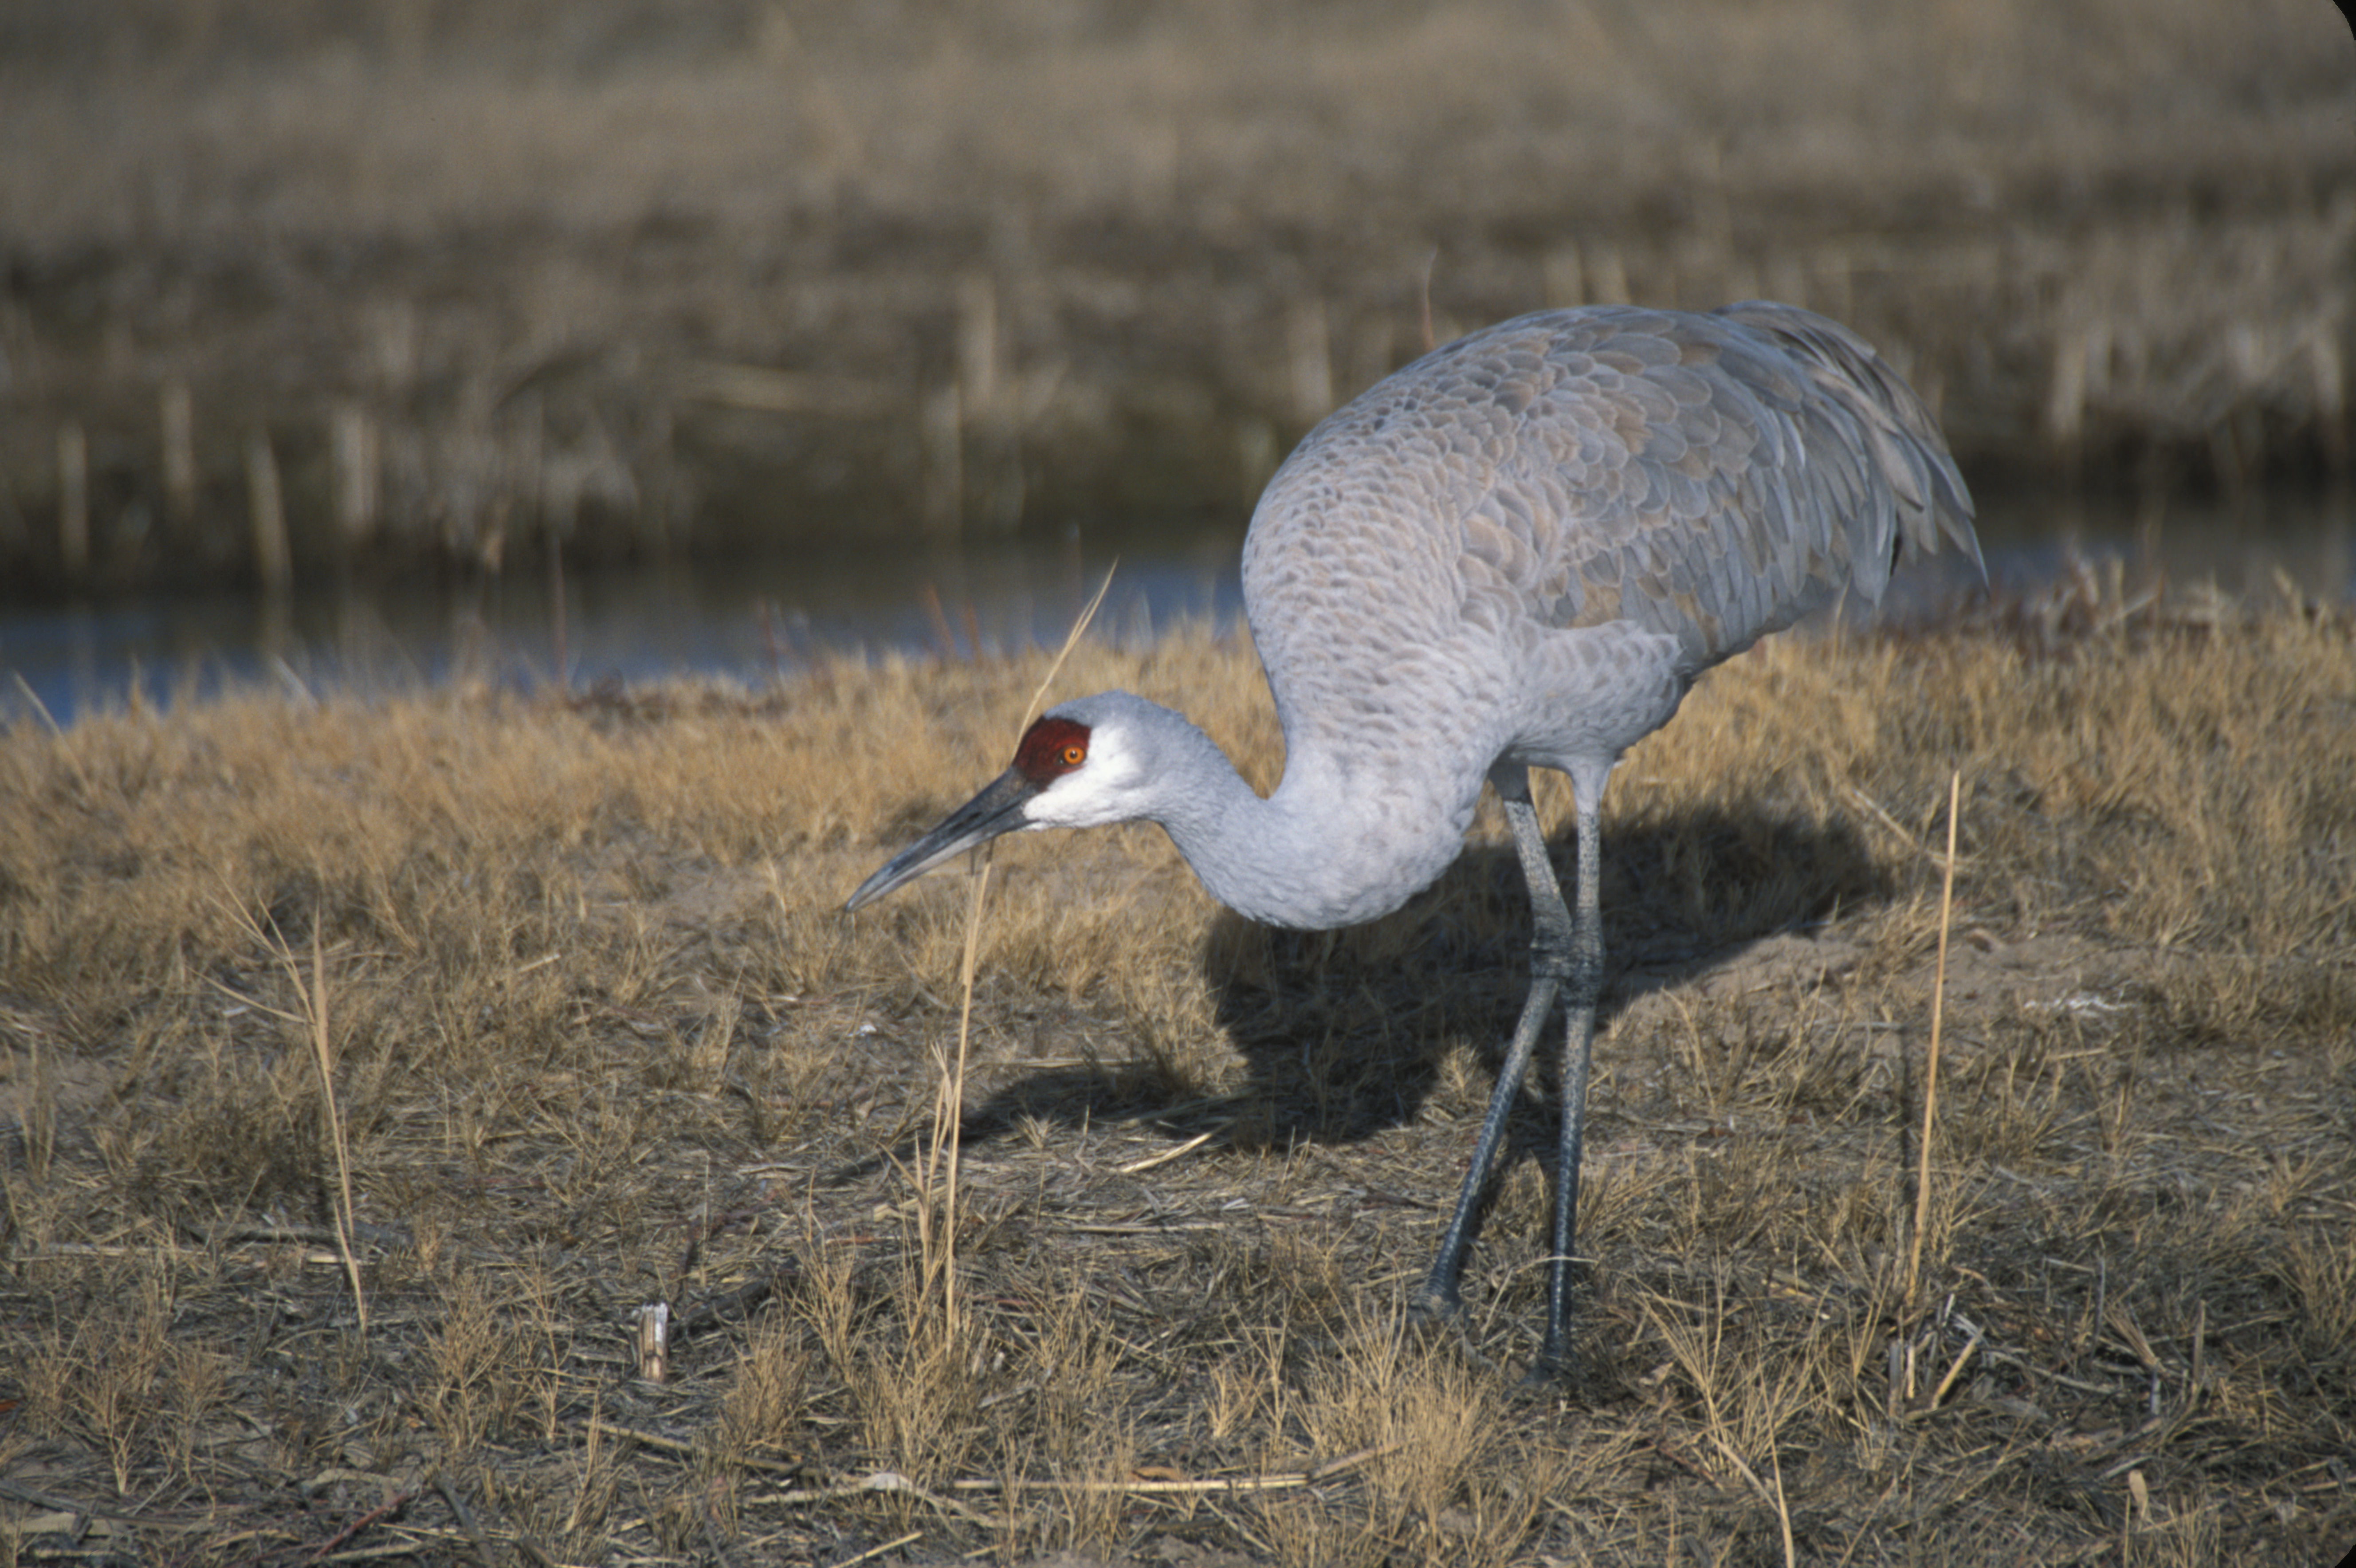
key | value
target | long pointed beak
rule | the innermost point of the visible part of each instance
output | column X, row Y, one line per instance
column 997, row 809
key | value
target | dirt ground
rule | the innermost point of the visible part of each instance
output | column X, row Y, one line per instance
column 369, row 1064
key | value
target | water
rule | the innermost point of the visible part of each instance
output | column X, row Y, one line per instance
column 753, row 619
column 760, row 617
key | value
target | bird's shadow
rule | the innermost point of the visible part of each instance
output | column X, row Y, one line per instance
column 1344, row 1034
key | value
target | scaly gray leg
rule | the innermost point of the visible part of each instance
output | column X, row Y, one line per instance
column 1584, row 987
column 1562, row 954
column 1552, row 960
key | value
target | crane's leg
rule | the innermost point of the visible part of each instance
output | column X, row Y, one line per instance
column 1551, row 962
column 1582, row 989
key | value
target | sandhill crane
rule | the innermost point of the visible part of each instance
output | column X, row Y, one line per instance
column 1521, row 549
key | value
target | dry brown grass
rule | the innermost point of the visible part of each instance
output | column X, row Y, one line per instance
column 600, row 1040
column 629, row 271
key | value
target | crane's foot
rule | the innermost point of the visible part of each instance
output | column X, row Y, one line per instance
column 1555, row 1365
column 1436, row 1306
column 1436, row 1301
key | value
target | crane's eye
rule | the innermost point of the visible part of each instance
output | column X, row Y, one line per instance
column 1074, row 754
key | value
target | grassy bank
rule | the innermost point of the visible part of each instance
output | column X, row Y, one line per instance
column 596, row 1040
column 398, row 281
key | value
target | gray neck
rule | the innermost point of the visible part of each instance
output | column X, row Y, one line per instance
column 1327, row 849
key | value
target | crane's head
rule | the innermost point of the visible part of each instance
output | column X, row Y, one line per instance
column 1075, row 768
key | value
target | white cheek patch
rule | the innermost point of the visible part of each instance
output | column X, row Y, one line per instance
column 1100, row 790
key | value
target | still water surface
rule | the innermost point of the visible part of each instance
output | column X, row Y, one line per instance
column 758, row 619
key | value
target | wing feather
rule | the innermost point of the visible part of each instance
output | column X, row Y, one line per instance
column 1705, row 478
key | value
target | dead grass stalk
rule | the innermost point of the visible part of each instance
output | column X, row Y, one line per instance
column 1931, row 1058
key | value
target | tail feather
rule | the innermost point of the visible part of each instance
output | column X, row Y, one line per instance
column 1934, row 505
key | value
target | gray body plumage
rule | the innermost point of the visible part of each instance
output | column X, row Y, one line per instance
column 1527, row 546
column 1520, row 551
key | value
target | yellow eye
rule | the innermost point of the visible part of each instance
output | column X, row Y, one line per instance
column 1074, row 754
